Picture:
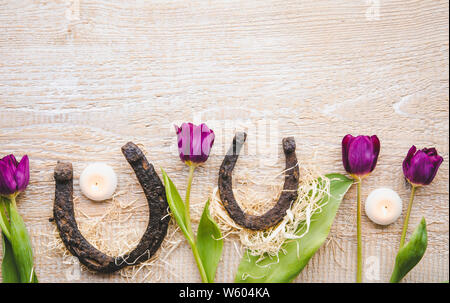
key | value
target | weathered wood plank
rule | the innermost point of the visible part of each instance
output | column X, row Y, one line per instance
column 78, row 79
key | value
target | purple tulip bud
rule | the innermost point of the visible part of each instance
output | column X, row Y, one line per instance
column 420, row 167
column 194, row 142
column 360, row 154
column 14, row 176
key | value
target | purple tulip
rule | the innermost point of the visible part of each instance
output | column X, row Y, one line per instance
column 360, row 154
column 420, row 167
column 194, row 142
column 14, row 176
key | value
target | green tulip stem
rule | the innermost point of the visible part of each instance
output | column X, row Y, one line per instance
column 4, row 223
column 358, row 234
column 408, row 212
column 192, row 242
column 186, row 200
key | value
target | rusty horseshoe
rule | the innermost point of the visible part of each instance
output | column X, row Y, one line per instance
column 288, row 195
column 92, row 258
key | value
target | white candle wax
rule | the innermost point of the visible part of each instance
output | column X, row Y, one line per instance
column 383, row 206
column 98, row 181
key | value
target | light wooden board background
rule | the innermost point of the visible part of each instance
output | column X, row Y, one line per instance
column 78, row 79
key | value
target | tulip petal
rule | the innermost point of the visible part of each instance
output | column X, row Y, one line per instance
column 376, row 150
column 436, row 162
column 11, row 161
column 8, row 185
column 184, row 142
column 430, row 151
column 177, row 129
column 22, row 174
column 10, row 158
column 407, row 161
column 208, row 137
column 360, row 156
column 196, row 143
column 421, row 168
column 345, row 145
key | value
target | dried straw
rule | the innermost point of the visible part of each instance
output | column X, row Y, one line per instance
column 116, row 233
column 310, row 194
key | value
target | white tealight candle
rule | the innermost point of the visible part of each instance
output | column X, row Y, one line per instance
column 383, row 206
column 98, row 181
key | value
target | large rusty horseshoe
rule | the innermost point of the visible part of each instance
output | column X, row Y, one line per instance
column 92, row 258
column 288, row 195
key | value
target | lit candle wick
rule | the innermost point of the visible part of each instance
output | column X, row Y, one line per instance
column 385, row 210
column 383, row 206
column 98, row 181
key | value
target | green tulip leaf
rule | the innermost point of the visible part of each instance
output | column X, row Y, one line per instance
column 296, row 253
column 176, row 205
column 21, row 246
column 411, row 253
column 209, row 243
column 10, row 273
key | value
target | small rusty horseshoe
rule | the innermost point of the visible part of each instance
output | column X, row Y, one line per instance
column 289, row 194
column 92, row 258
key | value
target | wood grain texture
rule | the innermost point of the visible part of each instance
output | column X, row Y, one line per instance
column 78, row 79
